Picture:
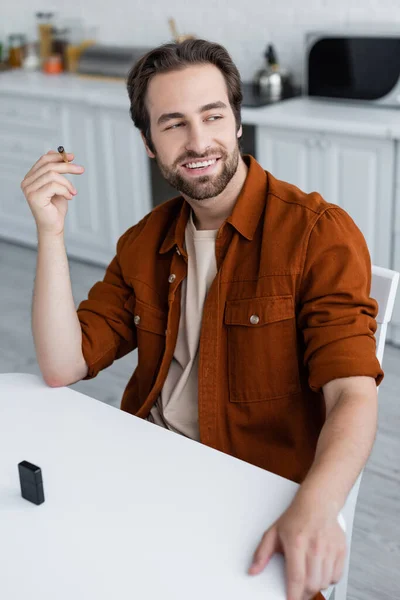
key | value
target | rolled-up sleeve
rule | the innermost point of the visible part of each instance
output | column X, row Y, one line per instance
column 336, row 313
column 108, row 331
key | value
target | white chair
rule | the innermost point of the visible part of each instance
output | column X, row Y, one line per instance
column 383, row 289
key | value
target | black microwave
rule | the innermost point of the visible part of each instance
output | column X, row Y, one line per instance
column 357, row 67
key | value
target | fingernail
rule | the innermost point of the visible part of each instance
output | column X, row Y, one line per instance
column 255, row 563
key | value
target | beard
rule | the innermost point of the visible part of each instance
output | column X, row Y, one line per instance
column 202, row 187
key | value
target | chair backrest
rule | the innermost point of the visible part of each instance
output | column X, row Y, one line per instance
column 383, row 289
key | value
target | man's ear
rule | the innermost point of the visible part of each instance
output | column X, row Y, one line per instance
column 149, row 152
column 240, row 132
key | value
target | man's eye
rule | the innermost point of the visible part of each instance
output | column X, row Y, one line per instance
column 176, row 125
column 212, row 118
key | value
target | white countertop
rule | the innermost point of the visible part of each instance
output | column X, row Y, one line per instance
column 330, row 116
column 297, row 113
column 65, row 86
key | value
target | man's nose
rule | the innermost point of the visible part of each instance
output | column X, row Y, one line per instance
column 198, row 140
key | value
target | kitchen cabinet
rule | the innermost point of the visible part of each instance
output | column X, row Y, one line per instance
column 291, row 156
column 394, row 326
column 87, row 231
column 353, row 172
column 350, row 154
column 28, row 129
column 125, row 171
column 113, row 192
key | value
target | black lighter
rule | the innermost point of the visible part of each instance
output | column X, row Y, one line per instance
column 30, row 477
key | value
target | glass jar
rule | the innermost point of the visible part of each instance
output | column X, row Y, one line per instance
column 53, row 65
column 16, row 46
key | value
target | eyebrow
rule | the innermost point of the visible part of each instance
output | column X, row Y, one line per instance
column 177, row 115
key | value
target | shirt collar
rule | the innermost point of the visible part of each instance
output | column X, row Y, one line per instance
column 245, row 215
column 251, row 200
column 176, row 233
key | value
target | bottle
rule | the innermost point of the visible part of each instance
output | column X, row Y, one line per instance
column 31, row 61
column 16, row 43
column 60, row 43
column 45, row 26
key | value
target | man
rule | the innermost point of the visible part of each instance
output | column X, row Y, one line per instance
column 248, row 301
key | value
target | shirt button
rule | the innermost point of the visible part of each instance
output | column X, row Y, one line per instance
column 172, row 278
column 254, row 319
column 136, row 319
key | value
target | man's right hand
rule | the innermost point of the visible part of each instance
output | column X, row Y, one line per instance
column 48, row 191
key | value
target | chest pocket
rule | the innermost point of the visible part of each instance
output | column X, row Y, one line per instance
column 150, row 324
column 262, row 348
column 146, row 317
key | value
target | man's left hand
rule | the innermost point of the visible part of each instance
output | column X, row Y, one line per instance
column 314, row 546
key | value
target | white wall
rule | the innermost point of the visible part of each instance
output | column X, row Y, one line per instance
column 243, row 27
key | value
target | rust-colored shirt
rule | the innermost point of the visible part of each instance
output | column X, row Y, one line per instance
column 288, row 311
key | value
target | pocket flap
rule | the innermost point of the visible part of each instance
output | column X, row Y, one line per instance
column 146, row 317
column 256, row 312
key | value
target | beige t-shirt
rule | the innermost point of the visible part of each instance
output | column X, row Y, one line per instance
column 176, row 407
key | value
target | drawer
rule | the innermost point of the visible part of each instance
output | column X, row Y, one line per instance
column 34, row 112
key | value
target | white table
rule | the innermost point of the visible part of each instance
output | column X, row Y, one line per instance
column 131, row 511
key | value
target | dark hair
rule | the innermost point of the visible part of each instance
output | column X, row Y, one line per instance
column 173, row 57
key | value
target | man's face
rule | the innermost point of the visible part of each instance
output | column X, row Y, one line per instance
column 192, row 121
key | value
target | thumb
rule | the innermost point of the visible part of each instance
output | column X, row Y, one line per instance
column 267, row 547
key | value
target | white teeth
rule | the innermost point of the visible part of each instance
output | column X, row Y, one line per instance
column 201, row 164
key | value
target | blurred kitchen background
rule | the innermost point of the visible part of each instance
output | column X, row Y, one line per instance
column 321, row 110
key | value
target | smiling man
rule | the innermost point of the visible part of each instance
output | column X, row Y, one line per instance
column 247, row 299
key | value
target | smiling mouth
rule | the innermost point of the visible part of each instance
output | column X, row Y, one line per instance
column 201, row 166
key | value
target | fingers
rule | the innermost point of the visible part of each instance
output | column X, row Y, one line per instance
column 48, row 177
column 52, row 157
column 339, row 566
column 312, row 568
column 295, row 553
column 52, row 167
column 315, row 569
column 265, row 550
column 43, row 195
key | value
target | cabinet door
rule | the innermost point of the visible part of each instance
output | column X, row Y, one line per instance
column 125, row 174
column 393, row 333
column 87, row 230
column 394, row 325
column 18, row 152
column 359, row 176
column 291, row 155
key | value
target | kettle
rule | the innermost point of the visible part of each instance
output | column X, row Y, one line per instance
column 271, row 82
